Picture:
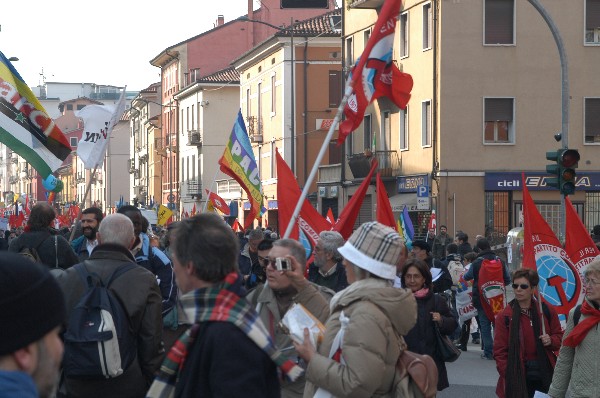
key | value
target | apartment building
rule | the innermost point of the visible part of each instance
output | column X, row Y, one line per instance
column 485, row 106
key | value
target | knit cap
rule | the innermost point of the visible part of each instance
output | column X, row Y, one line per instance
column 31, row 302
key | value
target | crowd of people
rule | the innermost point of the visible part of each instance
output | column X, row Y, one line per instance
column 204, row 309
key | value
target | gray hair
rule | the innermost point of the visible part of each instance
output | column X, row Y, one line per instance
column 117, row 229
column 331, row 241
column 256, row 234
column 593, row 267
column 296, row 249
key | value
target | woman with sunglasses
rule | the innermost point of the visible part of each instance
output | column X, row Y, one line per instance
column 578, row 365
column 523, row 349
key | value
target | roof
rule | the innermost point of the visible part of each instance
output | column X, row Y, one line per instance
column 224, row 76
column 321, row 25
column 79, row 99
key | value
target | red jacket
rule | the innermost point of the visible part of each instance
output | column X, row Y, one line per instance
column 526, row 338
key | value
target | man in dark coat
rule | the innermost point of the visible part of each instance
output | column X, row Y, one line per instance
column 327, row 268
column 221, row 356
column 462, row 240
column 53, row 250
column 142, row 304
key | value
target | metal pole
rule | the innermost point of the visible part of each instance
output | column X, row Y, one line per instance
column 564, row 95
column 293, row 102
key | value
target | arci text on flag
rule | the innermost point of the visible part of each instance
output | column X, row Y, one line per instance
column 25, row 127
column 98, row 123
column 239, row 163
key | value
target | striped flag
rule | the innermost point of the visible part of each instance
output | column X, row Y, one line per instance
column 25, row 127
column 239, row 163
column 406, row 228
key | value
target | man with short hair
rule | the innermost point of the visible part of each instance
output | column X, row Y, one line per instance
column 283, row 289
column 140, row 297
column 462, row 240
column 227, row 352
column 248, row 259
column 90, row 221
column 441, row 241
column 32, row 311
column 327, row 268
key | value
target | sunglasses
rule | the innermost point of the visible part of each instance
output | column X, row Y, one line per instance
column 522, row 286
column 265, row 262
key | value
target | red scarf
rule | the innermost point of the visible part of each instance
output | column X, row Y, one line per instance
column 581, row 330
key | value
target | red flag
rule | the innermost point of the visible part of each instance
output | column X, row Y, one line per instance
column 491, row 287
column 375, row 74
column 236, row 226
column 309, row 221
column 194, row 210
column 578, row 243
column 187, row 215
column 330, row 216
column 345, row 222
column 560, row 284
column 218, row 202
column 384, row 212
column 432, row 222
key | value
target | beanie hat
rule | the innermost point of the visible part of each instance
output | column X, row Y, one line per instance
column 374, row 247
column 31, row 302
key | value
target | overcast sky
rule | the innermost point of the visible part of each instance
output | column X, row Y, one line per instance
column 108, row 42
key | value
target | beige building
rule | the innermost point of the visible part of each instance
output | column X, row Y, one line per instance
column 485, row 105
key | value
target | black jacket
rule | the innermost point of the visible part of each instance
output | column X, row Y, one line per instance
column 444, row 282
column 340, row 281
column 50, row 252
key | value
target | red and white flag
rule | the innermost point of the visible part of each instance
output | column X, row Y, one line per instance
column 193, row 213
column 218, row 202
column 330, row 216
column 432, row 222
column 375, row 74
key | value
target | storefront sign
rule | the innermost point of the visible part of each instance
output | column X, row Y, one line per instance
column 537, row 181
column 325, row 124
column 411, row 183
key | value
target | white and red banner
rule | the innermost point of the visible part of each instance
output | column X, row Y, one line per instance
column 217, row 202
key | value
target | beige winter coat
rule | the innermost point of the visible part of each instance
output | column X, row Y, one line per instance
column 371, row 346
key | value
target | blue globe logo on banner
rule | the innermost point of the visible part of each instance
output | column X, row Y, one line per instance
column 306, row 243
column 559, row 285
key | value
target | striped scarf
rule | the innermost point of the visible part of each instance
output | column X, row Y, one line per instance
column 218, row 303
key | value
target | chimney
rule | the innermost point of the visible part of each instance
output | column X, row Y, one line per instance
column 220, row 20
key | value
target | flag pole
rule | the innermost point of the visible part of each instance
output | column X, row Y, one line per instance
column 85, row 195
column 211, row 189
column 319, row 158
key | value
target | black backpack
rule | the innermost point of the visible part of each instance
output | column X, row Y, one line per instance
column 99, row 341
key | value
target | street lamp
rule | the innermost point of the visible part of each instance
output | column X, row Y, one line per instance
column 293, row 99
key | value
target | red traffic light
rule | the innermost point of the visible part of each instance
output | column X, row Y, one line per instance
column 569, row 158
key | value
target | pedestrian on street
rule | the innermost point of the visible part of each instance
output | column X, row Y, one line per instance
column 578, row 365
column 441, row 241
column 523, row 350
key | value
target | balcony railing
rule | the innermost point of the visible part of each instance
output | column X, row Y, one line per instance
column 194, row 138
column 389, row 164
column 194, row 188
column 330, row 173
column 372, row 4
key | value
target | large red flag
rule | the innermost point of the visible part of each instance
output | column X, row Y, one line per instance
column 578, row 243
column 345, row 222
column 384, row 213
column 309, row 221
column 375, row 74
column 218, row 202
column 560, row 284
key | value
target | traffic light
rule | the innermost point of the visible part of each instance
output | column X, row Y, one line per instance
column 564, row 169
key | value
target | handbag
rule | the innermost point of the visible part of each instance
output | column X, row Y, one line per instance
column 445, row 348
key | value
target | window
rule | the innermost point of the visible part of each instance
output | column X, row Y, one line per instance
column 349, row 53
column 592, row 120
column 592, row 21
column 247, row 102
column 426, row 123
column 404, row 35
column 193, row 167
column 80, row 107
column 350, row 144
column 499, row 22
column 193, row 117
column 273, row 94
column 367, row 133
column 366, row 35
column 386, row 132
column 427, row 26
column 273, row 160
column 404, row 129
column 335, row 88
column 69, row 107
column 73, row 141
column 259, row 101
column 498, row 121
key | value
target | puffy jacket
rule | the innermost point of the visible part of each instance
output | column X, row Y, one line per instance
column 578, row 367
column 143, row 306
column 378, row 315
column 51, row 248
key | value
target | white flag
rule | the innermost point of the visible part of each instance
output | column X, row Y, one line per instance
column 98, row 123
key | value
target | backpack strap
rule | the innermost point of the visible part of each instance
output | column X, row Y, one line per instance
column 120, row 271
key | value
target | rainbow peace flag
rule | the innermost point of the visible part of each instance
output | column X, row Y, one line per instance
column 405, row 228
column 25, row 127
column 239, row 163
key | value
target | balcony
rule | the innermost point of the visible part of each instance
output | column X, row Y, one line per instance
column 330, row 173
column 194, row 138
column 255, row 129
column 389, row 163
column 194, row 189
column 13, row 180
column 370, row 4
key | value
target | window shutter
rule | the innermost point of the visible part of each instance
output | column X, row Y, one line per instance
column 499, row 21
column 335, row 88
column 592, row 117
column 498, row 109
column 592, row 14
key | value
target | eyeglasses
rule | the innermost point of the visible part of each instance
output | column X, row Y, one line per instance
column 265, row 262
column 522, row 286
column 592, row 282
